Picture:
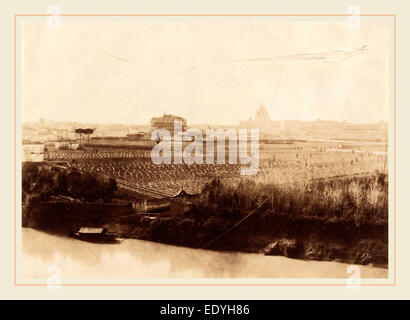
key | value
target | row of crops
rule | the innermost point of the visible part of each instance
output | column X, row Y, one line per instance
column 168, row 178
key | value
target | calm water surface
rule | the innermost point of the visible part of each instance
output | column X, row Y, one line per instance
column 134, row 259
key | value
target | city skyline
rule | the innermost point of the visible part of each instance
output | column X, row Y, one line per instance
column 192, row 124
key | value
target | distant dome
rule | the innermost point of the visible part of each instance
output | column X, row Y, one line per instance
column 262, row 114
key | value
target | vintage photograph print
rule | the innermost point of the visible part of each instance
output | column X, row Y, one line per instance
column 203, row 148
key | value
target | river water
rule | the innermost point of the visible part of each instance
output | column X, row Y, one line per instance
column 132, row 259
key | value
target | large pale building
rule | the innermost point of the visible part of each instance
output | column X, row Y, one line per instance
column 167, row 122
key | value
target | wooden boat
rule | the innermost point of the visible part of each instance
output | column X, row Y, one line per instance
column 92, row 234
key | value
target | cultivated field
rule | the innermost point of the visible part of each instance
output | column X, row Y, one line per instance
column 280, row 163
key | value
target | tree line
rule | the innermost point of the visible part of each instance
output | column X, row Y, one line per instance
column 43, row 182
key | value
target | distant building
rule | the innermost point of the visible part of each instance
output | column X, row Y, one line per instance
column 262, row 115
column 292, row 125
column 137, row 136
column 261, row 121
column 167, row 122
column 64, row 145
column 33, row 152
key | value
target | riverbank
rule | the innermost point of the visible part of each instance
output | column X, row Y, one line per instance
column 300, row 238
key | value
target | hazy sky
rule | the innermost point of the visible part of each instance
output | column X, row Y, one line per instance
column 208, row 72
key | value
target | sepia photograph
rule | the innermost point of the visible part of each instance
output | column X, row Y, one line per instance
column 200, row 148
